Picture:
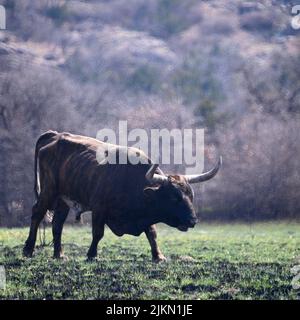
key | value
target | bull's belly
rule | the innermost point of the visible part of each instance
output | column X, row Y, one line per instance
column 119, row 223
column 122, row 222
column 119, row 229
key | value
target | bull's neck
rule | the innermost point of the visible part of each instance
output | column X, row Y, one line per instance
column 152, row 212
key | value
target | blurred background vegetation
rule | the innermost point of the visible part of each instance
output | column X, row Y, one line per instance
column 231, row 67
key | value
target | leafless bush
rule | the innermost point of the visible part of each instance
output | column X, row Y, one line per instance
column 219, row 25
column 257, row 21
column 28, row 19
column 260, row 176
column 33, row 100
column 274, row 86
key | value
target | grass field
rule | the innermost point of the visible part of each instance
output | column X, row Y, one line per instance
column 209, row 262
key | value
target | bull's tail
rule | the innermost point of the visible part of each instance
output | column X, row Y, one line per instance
column 36, row 174
column 43, row 140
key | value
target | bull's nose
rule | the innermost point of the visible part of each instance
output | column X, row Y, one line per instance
column 192, row 223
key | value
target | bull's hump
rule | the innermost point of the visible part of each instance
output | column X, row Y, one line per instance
column 94, row 144
column 81, row 140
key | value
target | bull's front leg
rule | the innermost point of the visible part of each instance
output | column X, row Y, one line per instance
column 151, row 234
column 98, row 232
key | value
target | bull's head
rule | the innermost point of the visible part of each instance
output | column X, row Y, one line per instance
column 173, row 195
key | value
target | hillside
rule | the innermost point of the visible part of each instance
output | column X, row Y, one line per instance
column 231, row 67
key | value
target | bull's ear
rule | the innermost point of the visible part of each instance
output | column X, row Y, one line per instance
column 150, row 192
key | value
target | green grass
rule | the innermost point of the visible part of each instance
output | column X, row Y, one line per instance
column 209, row 262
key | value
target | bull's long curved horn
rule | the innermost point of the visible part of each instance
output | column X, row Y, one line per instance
column 153, row 177
column 160, row 172
column 194, row 178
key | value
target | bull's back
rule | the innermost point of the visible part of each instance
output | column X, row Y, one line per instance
column 83, row 174
column 80, row 177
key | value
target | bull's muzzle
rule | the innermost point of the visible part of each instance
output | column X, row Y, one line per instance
column 192, row 223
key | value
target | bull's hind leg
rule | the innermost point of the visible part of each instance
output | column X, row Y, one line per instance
column 38, row 212
column 60, row 214
column 98, row 232
column 151, row 234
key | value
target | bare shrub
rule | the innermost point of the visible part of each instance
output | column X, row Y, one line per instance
column 260, row 176
column 33, row 100
column 257, row 21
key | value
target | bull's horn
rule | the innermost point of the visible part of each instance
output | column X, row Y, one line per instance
column 153, row 177
column 194, row 178
column 160, row 172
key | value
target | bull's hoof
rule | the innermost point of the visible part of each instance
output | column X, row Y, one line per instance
column 160, row 258
column 91, row 259
column 61, row 257
column 27, row 252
